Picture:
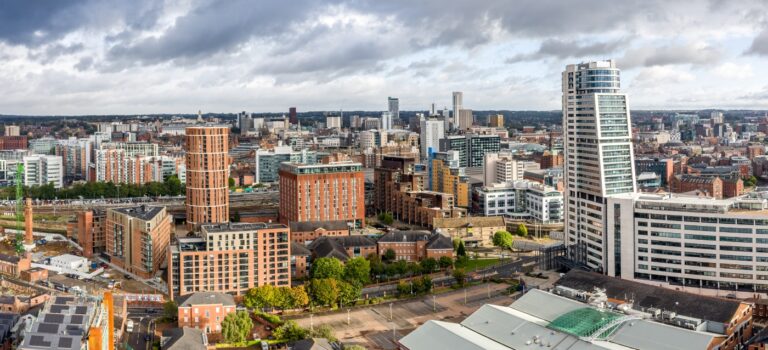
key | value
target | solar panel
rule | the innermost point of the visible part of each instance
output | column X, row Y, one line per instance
column 81, row 310
column 50, row 328
column 54, row 318
column 57, row 309
column 65, row 342
column 77, row 319
column 63, row 300
column 38, row 340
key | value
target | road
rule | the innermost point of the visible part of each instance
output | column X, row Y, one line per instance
column 143, row 326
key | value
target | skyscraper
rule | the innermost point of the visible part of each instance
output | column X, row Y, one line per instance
column 207, row 174
column 386, row 120
column 598, row 155
column 292, row 117
column 465, row 119
column 432, row 130
column 458, row 104
column 394, row 107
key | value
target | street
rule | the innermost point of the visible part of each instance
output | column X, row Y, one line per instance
column 143, row 326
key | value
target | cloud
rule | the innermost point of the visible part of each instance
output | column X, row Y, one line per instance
column 731, row 70
column 567, row 49
column 671, row 54
column 53, row 51
column 759, row 44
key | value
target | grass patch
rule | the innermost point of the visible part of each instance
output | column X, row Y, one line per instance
column 246, row 344
column 478, row 264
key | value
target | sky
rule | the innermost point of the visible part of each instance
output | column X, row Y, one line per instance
column 149, row 56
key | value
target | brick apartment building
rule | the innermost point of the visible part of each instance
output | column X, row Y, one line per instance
column 12, row 265
column 137, row 238
column 230, row 258
column 712, row 186
column 303, row 232
column 13, row 142
column 415, row 245
column 322, row 192
column 207, row 163
column 205, row 310
column 89, row 230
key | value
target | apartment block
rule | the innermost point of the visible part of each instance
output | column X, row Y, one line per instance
column 448, row 177
column 89, row 230
column 230, row 258
column 207, row 173
column 138, row 237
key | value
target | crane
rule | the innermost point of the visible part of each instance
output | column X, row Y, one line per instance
column 19, row 209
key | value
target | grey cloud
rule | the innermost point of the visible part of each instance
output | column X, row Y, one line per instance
column 759, row 44
column 566, row 49
column 51, row 52
column 669, row 55
column 84, row 64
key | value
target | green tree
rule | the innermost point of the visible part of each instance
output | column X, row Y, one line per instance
column 390, row 255
column 327, row 268
column 413, row 268
column 236, row 326
column 357, row 270
column 290, row 331
column 461, row 251
column 231, row 182
column 522, row 230
column 386, row 218
column 445, row 262
column 299, row 297
column 236, row 216
column 171, row 310
column 456, row 242
column 349, row 292
column 173, row 185
column 324, row 291
column 260, row 297
column 377, row 267
column 428, row 265
column 403, row 288
column 282, row 298
column 502, row 240
column 460, row 276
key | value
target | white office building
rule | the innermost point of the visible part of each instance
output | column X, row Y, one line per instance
column 386, row 120
column 702, row 245
column 503, row 167
column 43, row 169
column 333, row 122
column 598, row 155
column 432, row 130
column 458, row 104
column 520, row 200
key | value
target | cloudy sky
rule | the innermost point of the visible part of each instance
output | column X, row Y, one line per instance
column 148, row 56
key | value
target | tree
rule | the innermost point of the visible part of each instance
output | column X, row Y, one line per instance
column 236, row 326
column 236, row 216
column 445, row 262
column 390, row 255
column 282, row 298
column 324, row 331
column 357, row 270
column 522, row 230
column 231, row 182
column 377, row 267
column 413, row 268
column 461, row 251
column 403, row 288
column 327, row 268
column 171, row 310
column 386, row 218
column 173, row 185
column 299, row 297
column 354, row 347
column 456, row 242
column 460, row 276
column 290, row 331
column 503, row 240
column 324, row 291
column 428, row 265
column 260, row 297
column 349, row 292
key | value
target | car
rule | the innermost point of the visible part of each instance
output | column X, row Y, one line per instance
column 147, row 337
column 264, row 345
column 128, row 277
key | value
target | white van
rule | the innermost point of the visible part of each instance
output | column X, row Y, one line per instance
column 129, row 326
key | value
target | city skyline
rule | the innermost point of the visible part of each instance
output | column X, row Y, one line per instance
column 91, row 58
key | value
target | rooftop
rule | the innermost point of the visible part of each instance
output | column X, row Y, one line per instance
column 186, row 338
column 241, row 226
column 206, row 298
column 307, row 226
column 141, row 212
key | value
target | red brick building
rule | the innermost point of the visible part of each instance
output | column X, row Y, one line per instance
column 207, row 174
column 137, row 238
column 12, row 265
column 13, row 142
column 343, row 247
column 89, row 230
column 322, row 192
column 205, row 310
column 712, row 186
column 304, row 232
column 415, row 245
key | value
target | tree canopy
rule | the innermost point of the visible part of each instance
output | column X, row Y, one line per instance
column 357, row 270
column 236, row 326
column 327, row 268
column 502, row 239
column 522, row 230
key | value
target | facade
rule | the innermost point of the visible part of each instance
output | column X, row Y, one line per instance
column 76, row 155
column 230, row 258
column 44, row 145
column 342, row 247
column 503, row 167
column 475, row 231
column 268, row 161
column 456, row 143
column 12, row 130
column 207, row 172
column 90, row 231
column 710, row 186
column 393, row 107
column 431, row 132
column 42, row 170
column 304, row 232
column 448, row 177
column 496, row 120
column 465, row 119
column 415, row 245
column 116, row 166
column 599, row 159
column 69, row 262
column 662, row 167
column 13, row 142
column 73, row 323
column 300, row 256
column 205, row 310
column 293, row 117
column 12, row 265
column 333, row 122
column 458, row 105
column 522, row 200
column 386, row 121
column 322, row 192
column 478, row 146
column 137, row 238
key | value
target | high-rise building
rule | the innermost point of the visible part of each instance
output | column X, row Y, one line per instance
column 217, row 262
column 89, row 230
column 114, row 165
column 12, row 130
column 13, row 142
column 598, row 156
column 137, row 238
column 496, row 121
column 268, row 161
column 432, row 131
column 465, row 119
column 207, row 174
column 448, row 177
column 458, row 104
column 393, row 104
column 292, row 116
column 322, row 192
column 478, row 146
column 333, row 122
column 42, row 170
column 133, row 149
column 386, row 120
column 76, row 155
column 45, row 145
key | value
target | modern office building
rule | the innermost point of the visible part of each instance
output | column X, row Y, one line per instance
column 432, row 131
column 332, row 122
column 293, row 117
column 268, row 161
column 322, row 192
column 12, row 130
column 386, row 120
column 521, row 200
column 456, row 143
column 207, row 174
column 599, row 160
column 42, row 170
column 44, row 145
column 503, row 167
column 393, row 107
column 478, row 146
column 137, row 238
column 372, row 138
column 660, row 166
column 458, row 105
column 230, row 258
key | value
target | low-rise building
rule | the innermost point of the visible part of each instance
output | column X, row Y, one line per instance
column 520, row 200
column 304, row 232
column 475, row 231
column 68, row 263
column 415, row 245
column 13, row 265
column 343, row 247
column 186, row 338
column 300, row 256
column 205, row 310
